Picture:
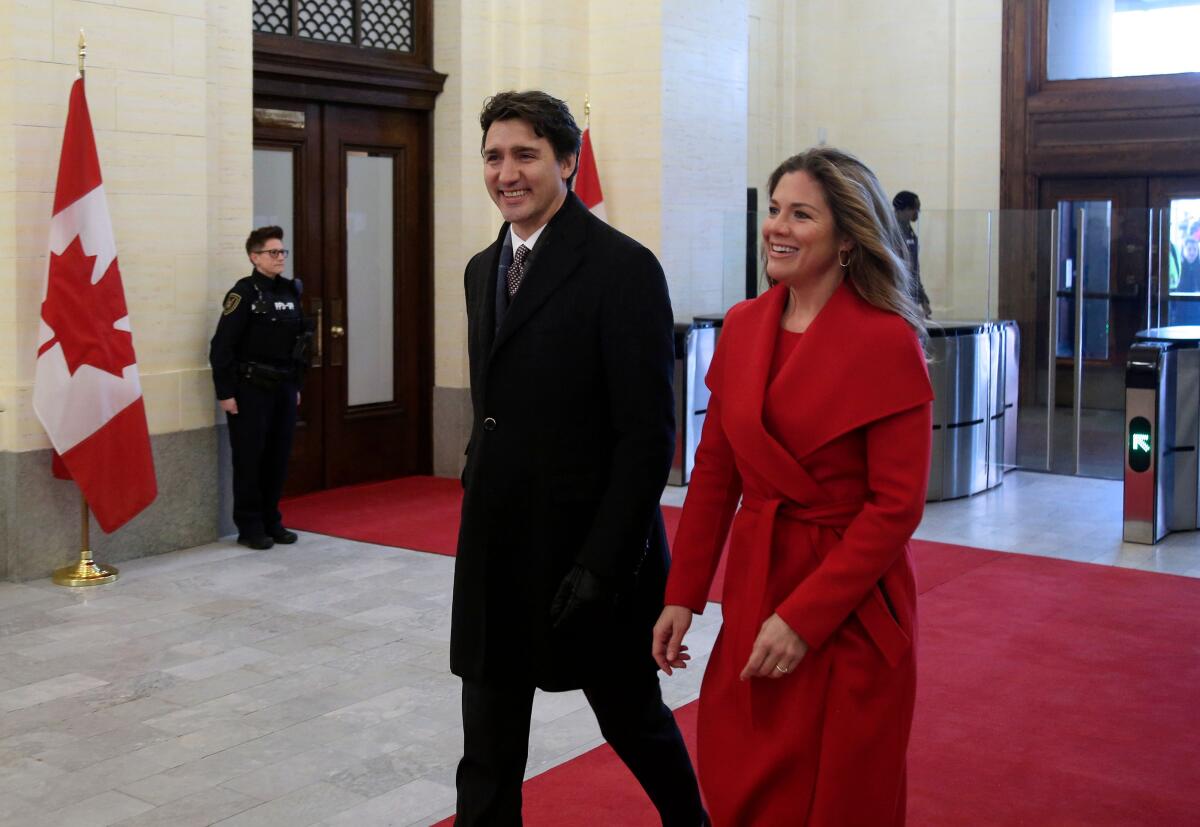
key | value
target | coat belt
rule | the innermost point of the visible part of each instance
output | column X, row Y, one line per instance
column 873, row 611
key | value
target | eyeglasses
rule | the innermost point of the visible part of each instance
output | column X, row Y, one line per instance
column 273, row 253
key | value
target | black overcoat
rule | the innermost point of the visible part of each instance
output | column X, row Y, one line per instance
column 570, row 447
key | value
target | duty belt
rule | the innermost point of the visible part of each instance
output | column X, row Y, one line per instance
column 264, row 375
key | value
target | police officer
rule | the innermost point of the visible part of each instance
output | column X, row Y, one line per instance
column 257, row 357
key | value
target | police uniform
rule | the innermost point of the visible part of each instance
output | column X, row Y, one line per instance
column 257, row 358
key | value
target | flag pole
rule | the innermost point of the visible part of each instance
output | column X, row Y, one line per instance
column 587, row 111
column 86, row 572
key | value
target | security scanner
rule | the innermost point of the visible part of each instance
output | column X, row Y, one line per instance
column 974, row 370
column 1162, row 433
column 695, row 343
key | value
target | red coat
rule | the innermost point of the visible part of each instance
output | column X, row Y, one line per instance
column 829, row 499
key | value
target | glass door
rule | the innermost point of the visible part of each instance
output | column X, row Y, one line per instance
column 1099, row 296
column 1176, row 227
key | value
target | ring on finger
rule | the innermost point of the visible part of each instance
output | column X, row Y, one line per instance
column 779, row 667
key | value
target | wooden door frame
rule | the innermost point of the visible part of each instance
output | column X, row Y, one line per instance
column 1101, row 127
column 297, row 72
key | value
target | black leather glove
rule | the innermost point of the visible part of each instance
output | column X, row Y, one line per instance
column 582, row 592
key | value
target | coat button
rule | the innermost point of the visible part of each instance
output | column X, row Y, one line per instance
column 489, row 424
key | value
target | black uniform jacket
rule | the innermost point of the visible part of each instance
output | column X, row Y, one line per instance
column 249, row 333
column 570, row 447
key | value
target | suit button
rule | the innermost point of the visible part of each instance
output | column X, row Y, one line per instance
column 489, row 424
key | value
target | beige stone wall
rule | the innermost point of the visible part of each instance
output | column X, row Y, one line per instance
column 704, row 151
column 911, row 88
column 169, row 89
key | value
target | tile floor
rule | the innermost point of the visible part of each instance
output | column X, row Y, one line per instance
column 308, row 684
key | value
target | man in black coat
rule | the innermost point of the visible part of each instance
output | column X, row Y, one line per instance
column 562, row 556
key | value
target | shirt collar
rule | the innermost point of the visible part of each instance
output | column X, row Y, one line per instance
column 517, row 241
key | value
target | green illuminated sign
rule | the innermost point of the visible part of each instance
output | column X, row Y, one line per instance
column 1140, row 444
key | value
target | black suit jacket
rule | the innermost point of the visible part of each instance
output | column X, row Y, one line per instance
column 570, row 447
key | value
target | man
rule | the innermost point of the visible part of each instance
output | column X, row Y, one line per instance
column 257, row 357
column 908, row 210
column 562, row 557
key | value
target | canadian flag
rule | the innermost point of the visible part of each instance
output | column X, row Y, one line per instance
column 587, row 180
column 86, row 390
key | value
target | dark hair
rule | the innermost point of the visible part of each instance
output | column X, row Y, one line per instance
column 259, row 237
column 548, row 116
column 905, row 200
column 876, row 266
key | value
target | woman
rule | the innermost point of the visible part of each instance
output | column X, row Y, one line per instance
column 1189, row 268
column 820, row 423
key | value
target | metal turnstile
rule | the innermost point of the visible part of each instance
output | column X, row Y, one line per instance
column 974, row 371
column 694, row 347
column 1162, row 434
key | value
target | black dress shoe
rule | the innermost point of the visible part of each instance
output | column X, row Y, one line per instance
column 283, row 536
column 258, row 542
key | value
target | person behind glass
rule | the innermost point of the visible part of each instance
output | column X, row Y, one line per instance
column 1189, row 267
column 908, row 209
column 820, row 423
column 562, row 554
column 257, row 357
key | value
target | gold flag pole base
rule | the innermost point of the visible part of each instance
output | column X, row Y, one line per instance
column 86, row 572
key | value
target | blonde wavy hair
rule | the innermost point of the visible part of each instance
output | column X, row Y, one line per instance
column 878, row 268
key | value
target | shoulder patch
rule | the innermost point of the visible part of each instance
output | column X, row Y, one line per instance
column 231, row 303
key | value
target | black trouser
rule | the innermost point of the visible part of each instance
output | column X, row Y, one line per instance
column 633, row 719
column 260, row 435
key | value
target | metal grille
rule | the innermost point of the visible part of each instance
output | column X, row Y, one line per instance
column 273, row 16
column 329, row 20
column 388, row 24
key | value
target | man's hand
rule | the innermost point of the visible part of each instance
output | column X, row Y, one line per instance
column 581, row 592
column 668, row 649
column 229, row 405
column 777, row 651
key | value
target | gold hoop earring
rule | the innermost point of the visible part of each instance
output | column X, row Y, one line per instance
column 845, row 263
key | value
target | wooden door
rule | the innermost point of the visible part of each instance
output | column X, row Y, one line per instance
column 378, row 307
column 287, row 192
column 347, row 183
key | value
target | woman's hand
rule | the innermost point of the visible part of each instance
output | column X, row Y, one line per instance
column 777, row 650
column 668, row 650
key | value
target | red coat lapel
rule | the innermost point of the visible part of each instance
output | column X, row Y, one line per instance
column 854, row 365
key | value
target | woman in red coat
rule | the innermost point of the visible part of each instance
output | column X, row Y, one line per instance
column 819, row 423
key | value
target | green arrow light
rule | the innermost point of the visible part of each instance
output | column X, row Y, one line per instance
column 1140, row 447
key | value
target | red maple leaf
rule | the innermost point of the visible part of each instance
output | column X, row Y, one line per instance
column 82, row 314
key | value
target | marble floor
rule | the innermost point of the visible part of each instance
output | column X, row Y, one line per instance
column 308, row 685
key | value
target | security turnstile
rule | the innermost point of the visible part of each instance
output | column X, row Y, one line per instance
column 1162, row 434
column 694, row 347
column 973, row 367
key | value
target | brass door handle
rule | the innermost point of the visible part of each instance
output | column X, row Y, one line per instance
column 337, row 331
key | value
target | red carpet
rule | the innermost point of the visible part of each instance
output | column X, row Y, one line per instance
column 420, row 513
column 1050, row 692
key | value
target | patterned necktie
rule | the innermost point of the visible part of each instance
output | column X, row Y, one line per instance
column 516, row 270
